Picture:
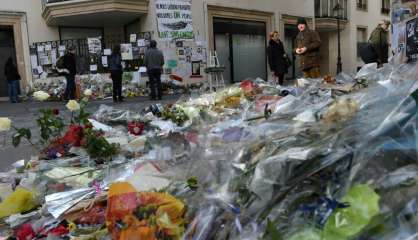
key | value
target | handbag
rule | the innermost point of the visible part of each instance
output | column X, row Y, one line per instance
column 287, row 62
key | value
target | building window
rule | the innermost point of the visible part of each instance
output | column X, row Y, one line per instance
column 362, row 5
column 385, row 6
column 361, row 39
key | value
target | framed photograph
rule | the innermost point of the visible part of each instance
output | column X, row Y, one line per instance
column 196, row 68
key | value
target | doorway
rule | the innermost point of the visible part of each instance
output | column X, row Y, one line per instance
column 241, row 48
column 7, row 49
column 290, row 32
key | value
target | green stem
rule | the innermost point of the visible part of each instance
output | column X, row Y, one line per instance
column 27, row 139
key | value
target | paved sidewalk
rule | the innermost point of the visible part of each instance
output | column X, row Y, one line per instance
column 25, row 114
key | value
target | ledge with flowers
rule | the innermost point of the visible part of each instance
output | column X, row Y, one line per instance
column 133, row 85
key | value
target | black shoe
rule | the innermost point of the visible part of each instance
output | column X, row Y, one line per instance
column 115, row 100
column 121, row 100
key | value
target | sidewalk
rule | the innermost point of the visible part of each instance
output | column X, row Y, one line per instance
column 25, row 114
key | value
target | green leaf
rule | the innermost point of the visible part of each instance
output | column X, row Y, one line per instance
column 16, row 140
column 307, row 234
column 272, row 231
column 348, row 222
column 193, row 183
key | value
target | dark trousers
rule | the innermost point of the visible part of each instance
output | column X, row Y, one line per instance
column 280, row 76
column 13, row 89
column 154, row 76
column 117, row 85
column 70, row 89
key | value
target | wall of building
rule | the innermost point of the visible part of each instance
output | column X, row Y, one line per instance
column 200, row 17
column 37, row 29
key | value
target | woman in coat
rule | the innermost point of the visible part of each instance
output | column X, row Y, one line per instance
column 277, row 57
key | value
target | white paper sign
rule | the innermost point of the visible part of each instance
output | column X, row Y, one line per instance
column 126, row 51
column 41, row 48
column 142, row 69
column 93, row 68
column 95, row 45
column 133, row 38
column 104, row 61
column 174, row 18
column 61, row 48
column 40, row 70
column 107, row 52
column 48, row 47
column 34, row 61
column 141, row 43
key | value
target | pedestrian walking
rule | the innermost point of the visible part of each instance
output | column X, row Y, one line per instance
column 70, row 65
column 379, row 39
column 116, row 72
column 277, row 57
column 154, row 61
column 308, row 43
column 13, row 78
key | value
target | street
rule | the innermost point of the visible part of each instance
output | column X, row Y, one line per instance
column 23, row 115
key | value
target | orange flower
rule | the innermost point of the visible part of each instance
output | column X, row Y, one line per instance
column 144, row 215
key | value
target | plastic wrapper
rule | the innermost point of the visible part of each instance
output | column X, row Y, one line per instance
column 256, row 162
column 110, row 115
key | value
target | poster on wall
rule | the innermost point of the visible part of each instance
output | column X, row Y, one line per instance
column 95, row 45
column 174, row 19
column 412, row 39
column 403, row 10
column 126, row 51
column 398, row 38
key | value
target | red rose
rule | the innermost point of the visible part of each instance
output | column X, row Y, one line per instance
column 55, row 111
column 74, row 135
column 247, row 86
column 25, row 232
column 135, row 128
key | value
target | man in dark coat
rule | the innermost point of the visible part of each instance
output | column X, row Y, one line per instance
column 277, row 57
column 380, row 41
column 116, row 72
column 70, row 65
column 308, row 43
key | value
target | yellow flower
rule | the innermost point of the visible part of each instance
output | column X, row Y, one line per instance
column 41, row 96
column 5, row 124
column 73, row 105
column 88, row 92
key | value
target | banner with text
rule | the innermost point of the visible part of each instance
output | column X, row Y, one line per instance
column 174, row 18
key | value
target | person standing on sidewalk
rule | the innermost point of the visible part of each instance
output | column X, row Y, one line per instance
column 13, row 78
column 277, row 57
column 70, row 65
column 154, row 61
column 116, row 72
column 379, row 40
column 308, row 43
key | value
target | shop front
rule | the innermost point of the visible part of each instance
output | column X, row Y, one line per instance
column 239, row 38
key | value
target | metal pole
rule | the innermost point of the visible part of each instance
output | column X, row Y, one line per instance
column 339, row 63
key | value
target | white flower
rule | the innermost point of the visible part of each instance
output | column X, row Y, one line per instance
column 5, row 124
column 41, row 95
column 88, row 92
column 73, row 105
